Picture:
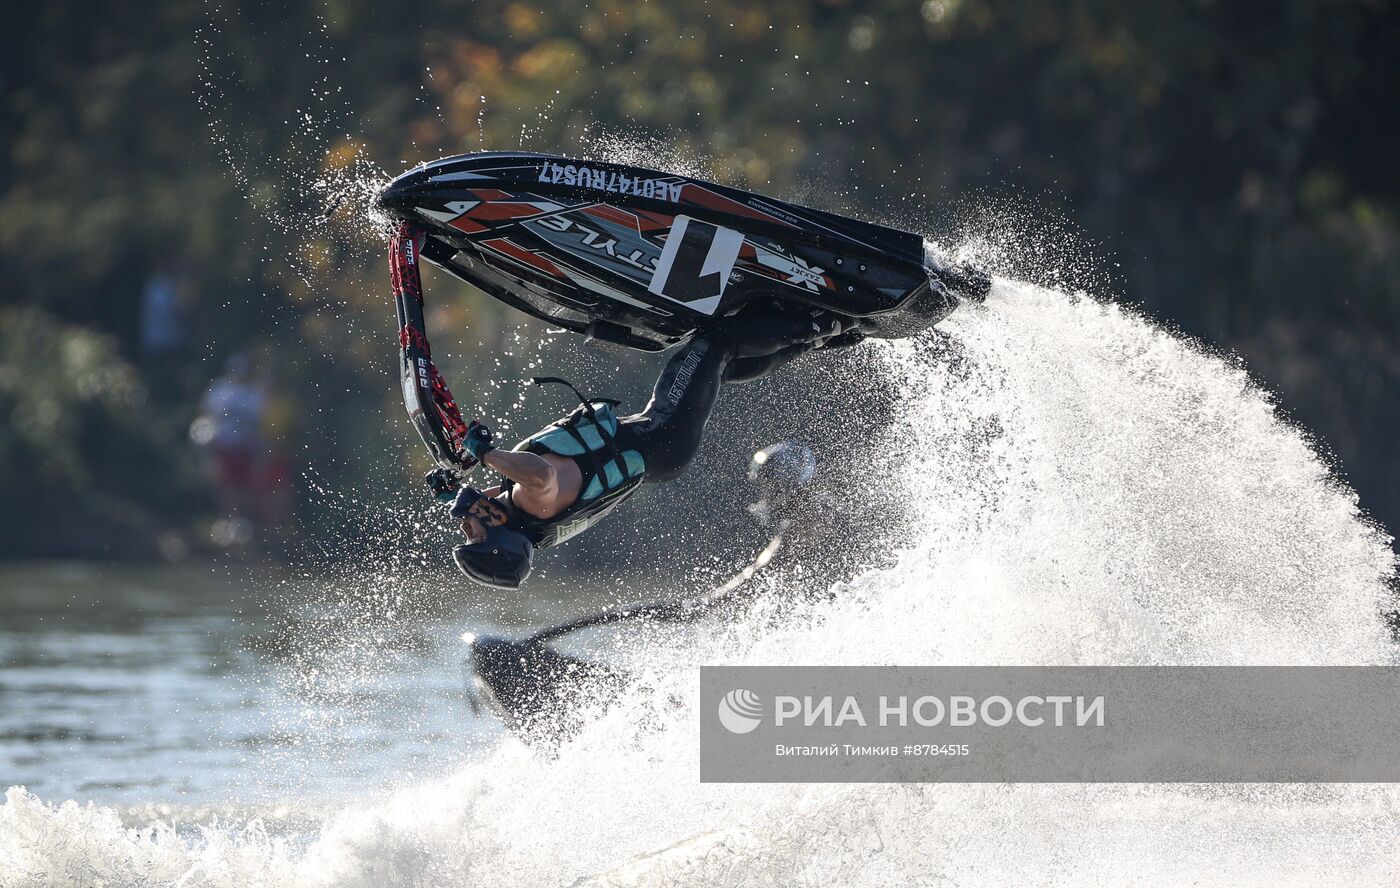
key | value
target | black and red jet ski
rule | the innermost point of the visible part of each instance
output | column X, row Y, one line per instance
column 639, row 258
column 644, row 258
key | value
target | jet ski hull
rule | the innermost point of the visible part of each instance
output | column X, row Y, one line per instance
column 644, row 258
column 535, row 690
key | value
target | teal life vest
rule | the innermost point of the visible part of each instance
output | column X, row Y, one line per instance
column 609, row 475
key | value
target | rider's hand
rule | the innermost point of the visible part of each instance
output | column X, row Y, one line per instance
column 443, row 484
column 478, row 440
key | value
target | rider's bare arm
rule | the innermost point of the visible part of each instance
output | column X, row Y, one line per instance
column 533, row 473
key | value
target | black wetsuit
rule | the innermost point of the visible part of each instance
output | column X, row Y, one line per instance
column 669, row 431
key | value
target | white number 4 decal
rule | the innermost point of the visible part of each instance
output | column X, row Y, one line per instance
column 695, row 264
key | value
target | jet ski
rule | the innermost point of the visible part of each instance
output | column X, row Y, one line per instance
column 536, row 690
column 639, row 258
column 644, row 258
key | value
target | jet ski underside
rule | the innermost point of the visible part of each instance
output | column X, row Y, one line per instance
column 643, row 258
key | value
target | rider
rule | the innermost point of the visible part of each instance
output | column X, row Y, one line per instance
column 562, row 480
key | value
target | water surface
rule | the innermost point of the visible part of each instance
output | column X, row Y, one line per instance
column 124, row 685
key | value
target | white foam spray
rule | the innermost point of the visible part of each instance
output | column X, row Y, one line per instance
column 1090, row 490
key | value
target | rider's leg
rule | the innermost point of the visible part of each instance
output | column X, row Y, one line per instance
column 669, row 431
column 742, row 370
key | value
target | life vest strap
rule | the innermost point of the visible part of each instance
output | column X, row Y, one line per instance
column 599, row 458
column 586, row 402
column 570, row 425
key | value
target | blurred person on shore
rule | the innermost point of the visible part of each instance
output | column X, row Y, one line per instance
column 230, row 427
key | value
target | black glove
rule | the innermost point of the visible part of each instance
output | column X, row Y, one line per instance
column 478, row 440
column 443, row 484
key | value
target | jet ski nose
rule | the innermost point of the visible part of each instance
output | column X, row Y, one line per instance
column 391, row 196
column 400, row 193
column 529, row 685
column 495, row 656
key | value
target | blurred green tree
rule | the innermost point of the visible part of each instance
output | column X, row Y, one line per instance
column 1236, row 160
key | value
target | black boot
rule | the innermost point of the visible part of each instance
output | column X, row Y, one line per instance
column 761, row 335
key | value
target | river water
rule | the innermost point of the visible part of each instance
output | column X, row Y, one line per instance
column 1080, row 487
column 131, row 685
